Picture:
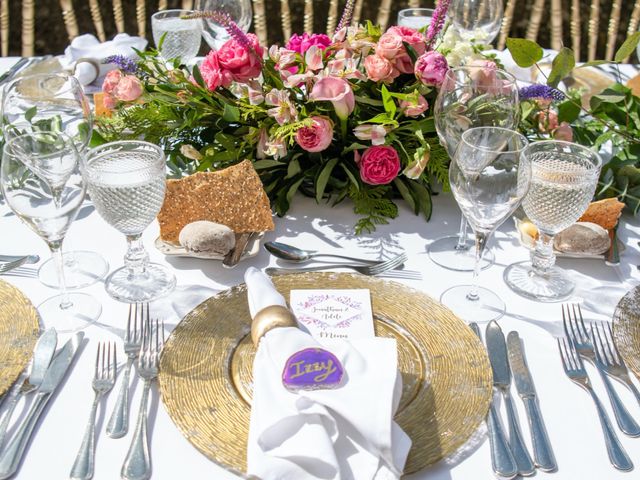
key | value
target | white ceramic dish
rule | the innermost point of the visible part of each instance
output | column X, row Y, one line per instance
column 169, row 249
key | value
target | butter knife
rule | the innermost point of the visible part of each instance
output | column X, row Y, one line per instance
column 542, row 451
column 502, row 460
column 233, row 257
column 12, row 455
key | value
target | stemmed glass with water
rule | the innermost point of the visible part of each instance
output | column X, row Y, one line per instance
column 176, row 37
column 489, row 177
column 238, row 10
column 477, row 19
column 41, row 182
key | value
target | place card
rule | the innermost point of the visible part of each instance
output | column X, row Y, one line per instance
column 334, row 314
column 312, row 369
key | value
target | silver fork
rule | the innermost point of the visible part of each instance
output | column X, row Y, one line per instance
column 574, row 368
column 5, row 267
column 137, row 464
column 375, row 269
column 104, row 378
column 118, row 424
column 609, row 357
column 576, row 331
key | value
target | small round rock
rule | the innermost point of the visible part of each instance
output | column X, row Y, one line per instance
column 204, row 236
column 583, row 237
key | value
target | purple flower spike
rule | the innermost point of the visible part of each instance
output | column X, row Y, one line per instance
column 541, row 91
column 125, row 64
column 437, row 22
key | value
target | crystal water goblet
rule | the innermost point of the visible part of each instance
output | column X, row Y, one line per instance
column 41, row 183
column 563, row 180
column 176, row 37
column 470, row 97
column 477, row 19
column 415, row 18
column 239, row 11
column 488, row 177
column 54, row 102
column 126, row 180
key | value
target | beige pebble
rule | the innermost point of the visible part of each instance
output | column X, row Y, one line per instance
column 583, row 237
column 209, row 237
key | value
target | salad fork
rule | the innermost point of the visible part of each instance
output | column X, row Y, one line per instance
column 5, row 267
column 137, row 464
column 574, row 368
column 374, row 269
column 119, row 421
column 576, row 331
column 609, row 357
column 104, row 378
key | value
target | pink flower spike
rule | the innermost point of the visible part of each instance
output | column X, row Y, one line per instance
column 337, row 91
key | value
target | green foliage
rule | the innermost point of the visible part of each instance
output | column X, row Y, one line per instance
column 561, row 66
column 525, row 53
column 376, row 206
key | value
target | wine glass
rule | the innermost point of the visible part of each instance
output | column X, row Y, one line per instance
column 238, row 10
column 489, row 177
column 54, row 102
column 41, row 182
column 126, row 180
column 563, row 180
column 470, row 96
column 477, row 19
column 176, row 37
column 415, row 18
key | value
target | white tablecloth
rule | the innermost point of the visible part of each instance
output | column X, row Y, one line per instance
column 569, row 412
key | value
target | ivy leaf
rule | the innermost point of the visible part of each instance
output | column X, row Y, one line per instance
column 524, row 52
column 387, row 101
column 561, row 66
column 627, row 48
column 323, row 178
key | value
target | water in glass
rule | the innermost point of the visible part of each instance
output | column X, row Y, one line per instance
column 182, row 37
column 239, row 11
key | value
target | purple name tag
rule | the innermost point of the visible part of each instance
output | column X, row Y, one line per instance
column 312, row 369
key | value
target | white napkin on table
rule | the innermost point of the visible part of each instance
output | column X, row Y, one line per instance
column 335, row 434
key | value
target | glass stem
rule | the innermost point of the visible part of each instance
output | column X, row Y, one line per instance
column 462, row 235
column 543, row 258
column 56, row 251
column 136, row 258
column 481, row 243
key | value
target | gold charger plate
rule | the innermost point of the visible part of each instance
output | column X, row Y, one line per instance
column 205, row 370
column 626, row 329
column 19, row 330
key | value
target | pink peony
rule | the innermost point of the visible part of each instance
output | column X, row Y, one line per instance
column 338, row 92
column 563, row 132
column 317, row 137
column 301, row 43
column 431, row 68
column 211, row 72
column 379, row 165
column 379, row 69
column 129, row 88
column 412, row 109
column 111, row 80
column 240, row 62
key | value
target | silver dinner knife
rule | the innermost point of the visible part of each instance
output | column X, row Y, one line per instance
column 497, row 348
column 12, row 455
column 542, row 451
column 502, row 460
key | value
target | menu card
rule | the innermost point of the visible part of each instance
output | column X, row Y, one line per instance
column 334, row 314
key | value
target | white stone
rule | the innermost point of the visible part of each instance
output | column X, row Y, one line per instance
column 209, row 237
column 583, row 237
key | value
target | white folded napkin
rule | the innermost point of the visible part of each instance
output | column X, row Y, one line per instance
column 334, row 434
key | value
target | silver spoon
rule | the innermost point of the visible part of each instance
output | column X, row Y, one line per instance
column 297, row 255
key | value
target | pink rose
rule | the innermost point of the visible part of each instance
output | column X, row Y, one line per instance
column 108, row 102
column 411, row 37
column 483, row 72
column 317, row 137
column 129, row 88
column 301, row 43
column 431, row 68
column 379, row 69
column 111, row 81
column 379, row 165
column 412, row 109
column 240, row 62
column 338, row 92
column 390, row 46
column 547, row 121
column 563, row 132
column 211, row 72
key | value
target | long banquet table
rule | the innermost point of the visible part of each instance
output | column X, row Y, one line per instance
column 570, row 416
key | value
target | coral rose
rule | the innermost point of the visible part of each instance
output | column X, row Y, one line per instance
column 431, row 68
column 317, row 137
column 129, row 88
column 338, row 92
column 240, row 62
column 379, row 165
column 379, row 69
column 111, row 81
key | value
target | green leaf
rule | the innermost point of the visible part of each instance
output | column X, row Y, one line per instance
column 323, row 178
column 406, row 195
column 627, row 48
column 351, row 176
column 568, row 112
column 30, row 113
column 231, row 113
column 525, row 53
column 264, row 164
column 369, row 101
column 293, row 169
column 293, row 189
column 387, row 100
column 411, row 51
column 198, row 76
column 424, row 198
column 561, row 66
column 593, row 63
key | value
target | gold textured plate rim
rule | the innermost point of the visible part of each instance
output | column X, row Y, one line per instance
column 19, row 331
column 202, row 387
column 626, row 329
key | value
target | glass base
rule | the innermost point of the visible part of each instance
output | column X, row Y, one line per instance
column 81, row 269
column 84, row 311
column 155, row 282
column 488, row 306
column 555, row 286
column 443, row 252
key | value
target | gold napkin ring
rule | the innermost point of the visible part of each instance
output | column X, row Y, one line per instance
column 270, row 317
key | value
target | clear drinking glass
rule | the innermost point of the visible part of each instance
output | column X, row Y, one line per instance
column 477, row 19
column 182, row 37
column 489, row 177
column 126, row 180
column 563, row 180
column 41, row 182
column 54, row 102
column 415, row 18
column 470, row 97
column 238, row 10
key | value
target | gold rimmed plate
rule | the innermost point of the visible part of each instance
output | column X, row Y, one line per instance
column 205, row 371
column 19, row 330
column 626, row 329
